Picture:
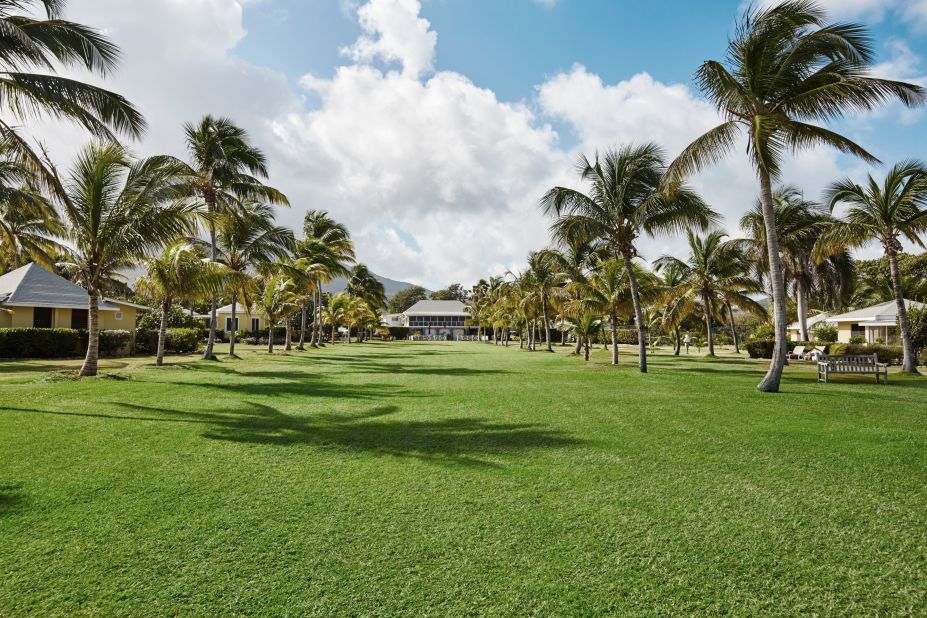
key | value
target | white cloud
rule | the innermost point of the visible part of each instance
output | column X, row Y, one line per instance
column 394, row 32
column 912, row 11
column 437, row 178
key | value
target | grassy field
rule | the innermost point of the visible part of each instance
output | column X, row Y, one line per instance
column 458, row 479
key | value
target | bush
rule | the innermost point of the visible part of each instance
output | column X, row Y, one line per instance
column 177, row 317
column 114, row 342
column 176, row 340
column 891, row 354
column 760, row 348
column 825, row 332
column 763, row 332
column 398, row 332
column 857, row 340
column 39, row 342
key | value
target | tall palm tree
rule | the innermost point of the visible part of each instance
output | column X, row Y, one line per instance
column 608, row 292
column 786, row 69
column 799, row 224
column 626, row 201
column 885, row 214
column 34, row 42
column 118, row 211
column 328, row 244
column 715, row 275
column 543, row 268
column 364, row 285
column 247, row 237
column 180, row 273
column 225, row 169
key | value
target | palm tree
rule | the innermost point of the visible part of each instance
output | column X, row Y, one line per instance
column 117, row 211
column 543, row 268
column 225, row 170
column 608, row 292
column 715, row 275
column 884, row 213
column 247, row 237
column 879, row 290
column 179, row 274
column 625, row 202
column 275, row 301
column 29, row 223
column 34, row 43
column 327, row 244
column 787, row 69
column 338, row 312
column 674, row 309
column 799, row 223
column 364, row 285
column 586, row 329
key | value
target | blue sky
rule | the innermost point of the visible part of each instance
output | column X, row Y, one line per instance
column 432, row 127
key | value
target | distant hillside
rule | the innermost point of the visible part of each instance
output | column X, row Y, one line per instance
column 390, row 285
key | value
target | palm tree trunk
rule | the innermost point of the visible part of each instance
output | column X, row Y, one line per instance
column 638, row 309
column 302, row 329
column 288, row 340
column 730, row 317
column 162, row 331
column 614, row 320
column 678, row 342
column 89, row 368
column 234, row 330
column 770, row 382
column 908, row 364
column 802, row 299
column 586, row 349
column 550, row 348
column 711, row 337
column 270, row 338
column 579, row 343
column 211, row 340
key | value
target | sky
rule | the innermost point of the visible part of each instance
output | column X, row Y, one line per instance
column 432, row 127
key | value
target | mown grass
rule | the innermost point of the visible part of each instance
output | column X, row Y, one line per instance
column 458, row 479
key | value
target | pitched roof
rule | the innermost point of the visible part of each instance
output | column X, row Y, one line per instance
column 33, row 286
column 883, row 312
column 438, row 307
column 810, row 321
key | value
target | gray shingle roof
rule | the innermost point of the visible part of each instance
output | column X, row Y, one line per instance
column 887, row 311
column 438, row 307
column 33, row 286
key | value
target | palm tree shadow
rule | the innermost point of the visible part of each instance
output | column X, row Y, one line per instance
column 459, row 441
column 11, row 498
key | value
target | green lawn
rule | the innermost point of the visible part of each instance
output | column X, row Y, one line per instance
column 458, row 479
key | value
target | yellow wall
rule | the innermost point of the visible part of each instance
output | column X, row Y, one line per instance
column 21, row 318
column 244, row 320
column 6, row 319
column 844, row 331
column 108, row 319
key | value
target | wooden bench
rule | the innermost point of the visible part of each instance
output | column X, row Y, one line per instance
column 856, row 364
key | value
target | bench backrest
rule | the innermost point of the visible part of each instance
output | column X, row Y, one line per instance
column 853, row 359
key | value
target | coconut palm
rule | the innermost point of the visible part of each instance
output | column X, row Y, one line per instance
column 715, row 275
column 364, row 285
column 118, row 211
column 674, row 309
column 29, row 223
column 224, row 170
column 886, row 213
column 180, row 273
column 275, row 301
column 625, row 202
column 799, row 223
column 35, row 41
column 247, row 237
column 329, row 245
column 544, row 276
column 586, row 328
column 338, row 312
column 607, row 291
column 786, row 69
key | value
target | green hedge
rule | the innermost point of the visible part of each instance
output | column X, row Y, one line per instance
column 177, row 340
column 760, row 348
column 59, row 342
column 891, row 354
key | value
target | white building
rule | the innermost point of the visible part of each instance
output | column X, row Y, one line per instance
column 875, row 323
column 433, row 318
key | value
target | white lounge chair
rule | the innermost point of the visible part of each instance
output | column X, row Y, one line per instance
column 798, row 353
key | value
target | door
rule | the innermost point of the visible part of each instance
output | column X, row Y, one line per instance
column 78, row 318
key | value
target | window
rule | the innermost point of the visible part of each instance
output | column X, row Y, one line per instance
column 119, row 315
column 42, row 317
column 255, row 324
column 228, row 325
column 78, row 318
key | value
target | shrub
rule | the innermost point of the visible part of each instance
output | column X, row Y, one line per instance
column 39, row 342
column 114, row 342
column 825, row 332
column 177, row 340
column 177, row 317
column 763, row 332
column 891, row 354
column 398, row 332
column 857, row 340
column 760, row 348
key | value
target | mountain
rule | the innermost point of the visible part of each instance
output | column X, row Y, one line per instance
column 390, row 285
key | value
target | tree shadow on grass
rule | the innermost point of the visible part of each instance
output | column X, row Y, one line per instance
column 11, row 498
column 464, row 441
